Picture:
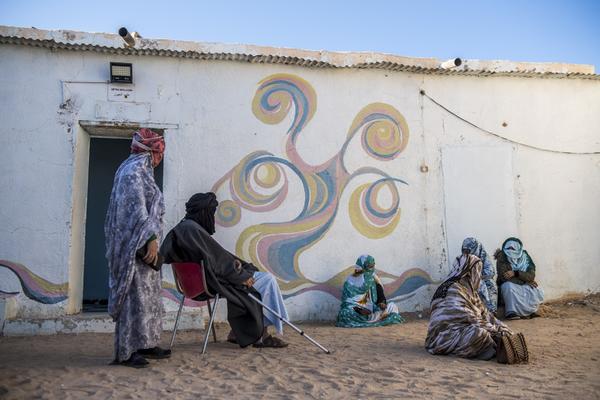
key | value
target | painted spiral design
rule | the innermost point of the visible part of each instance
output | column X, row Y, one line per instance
column 259, row 183
column 228, row 213
column 384, row 131
column 367, row 216
column 275, row 96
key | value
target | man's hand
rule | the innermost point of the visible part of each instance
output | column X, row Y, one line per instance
column 249, row 282
column 533, row 284
column 382, row 306
column 508, row 275
column 152, row 253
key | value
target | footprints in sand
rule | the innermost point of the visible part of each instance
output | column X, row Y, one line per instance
column 376, row 363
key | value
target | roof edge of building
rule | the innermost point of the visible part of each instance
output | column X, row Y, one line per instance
column 114, row 44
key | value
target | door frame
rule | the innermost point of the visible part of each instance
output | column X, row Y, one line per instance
column 85, row 130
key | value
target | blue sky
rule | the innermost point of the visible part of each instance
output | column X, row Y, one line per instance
column 526, row 30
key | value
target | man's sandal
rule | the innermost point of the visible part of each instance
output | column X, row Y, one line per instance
column 135, row 361
column 155, row 353
column 271, row 341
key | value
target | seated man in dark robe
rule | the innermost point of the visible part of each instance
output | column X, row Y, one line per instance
column 191, row 241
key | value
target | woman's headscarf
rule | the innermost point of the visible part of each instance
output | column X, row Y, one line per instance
column 146, row 140
column 365, row 262
column 364, row 273
column 466, row 266
column 201, row 208
column 518, row 258
column 474, row 247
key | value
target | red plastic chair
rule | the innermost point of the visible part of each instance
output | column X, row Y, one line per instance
column 191, row 283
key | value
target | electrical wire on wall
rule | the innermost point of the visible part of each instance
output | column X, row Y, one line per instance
column 500, row 136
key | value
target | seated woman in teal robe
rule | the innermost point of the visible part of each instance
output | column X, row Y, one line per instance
column 363, row 301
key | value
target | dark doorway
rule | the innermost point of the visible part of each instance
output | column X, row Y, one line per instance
column 105, row 157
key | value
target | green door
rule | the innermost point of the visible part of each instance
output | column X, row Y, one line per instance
column 105, row 157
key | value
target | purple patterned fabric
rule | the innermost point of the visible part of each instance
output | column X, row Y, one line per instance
column 135, row 214
column 459, row 323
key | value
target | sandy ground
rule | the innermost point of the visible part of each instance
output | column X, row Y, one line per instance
column 387, row 362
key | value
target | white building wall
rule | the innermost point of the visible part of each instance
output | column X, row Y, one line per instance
column 555, row 204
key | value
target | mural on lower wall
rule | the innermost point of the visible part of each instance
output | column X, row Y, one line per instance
column 259, row 183
column 35, row 287
column 169, row 291
column 42, row 291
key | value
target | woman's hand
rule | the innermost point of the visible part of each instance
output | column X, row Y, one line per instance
column 533, row 284
column 362, row 311
column 382, row 306
column 152, row 253
column 508, row 275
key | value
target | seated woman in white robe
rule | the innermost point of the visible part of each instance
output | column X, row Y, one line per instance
column 516, row 279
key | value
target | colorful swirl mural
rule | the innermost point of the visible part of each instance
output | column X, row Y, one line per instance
column 38, row 289
column 259, row 183
column 35, row 287
column 169, row 291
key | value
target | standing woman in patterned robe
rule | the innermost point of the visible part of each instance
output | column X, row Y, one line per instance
column 134, row 220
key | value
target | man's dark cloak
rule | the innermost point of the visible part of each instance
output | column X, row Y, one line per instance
column 225, row 274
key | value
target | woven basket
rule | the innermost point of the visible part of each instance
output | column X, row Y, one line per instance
column 512, row 349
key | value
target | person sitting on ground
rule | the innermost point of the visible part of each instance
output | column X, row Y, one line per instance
column 516, row 278
column 233, row 278
column 487, row 289
column 363, row 301
column 460, row 324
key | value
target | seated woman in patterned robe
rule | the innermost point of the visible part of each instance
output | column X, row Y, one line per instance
column 460, row 324
column 363, row 301
column 488, row 291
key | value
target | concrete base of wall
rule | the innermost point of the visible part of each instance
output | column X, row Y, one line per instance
column 2, row 313
column 90, row 323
